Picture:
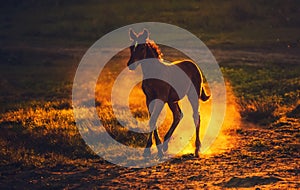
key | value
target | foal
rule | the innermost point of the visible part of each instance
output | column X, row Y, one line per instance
column 161, row 92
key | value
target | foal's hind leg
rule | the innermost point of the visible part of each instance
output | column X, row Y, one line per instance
column 197, row 142
column 177, row 116
column 195, row 104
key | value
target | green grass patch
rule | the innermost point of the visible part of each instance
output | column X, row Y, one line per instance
column 263, row 89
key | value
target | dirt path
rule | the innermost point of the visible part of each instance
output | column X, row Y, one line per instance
column 260, row 166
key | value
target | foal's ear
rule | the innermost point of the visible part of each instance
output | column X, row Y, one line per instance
column 132, row 35
column 145, row 34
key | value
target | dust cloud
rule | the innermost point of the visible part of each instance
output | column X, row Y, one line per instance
column 225, row 138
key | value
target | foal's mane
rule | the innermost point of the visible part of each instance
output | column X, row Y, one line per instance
column 155, row 48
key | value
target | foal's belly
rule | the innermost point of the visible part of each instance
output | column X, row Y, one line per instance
column 157, row 89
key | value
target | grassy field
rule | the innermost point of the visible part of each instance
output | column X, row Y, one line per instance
column 41, row 43
column 267, row 91
column 69, row 23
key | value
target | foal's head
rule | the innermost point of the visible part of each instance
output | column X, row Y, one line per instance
column 141, row 48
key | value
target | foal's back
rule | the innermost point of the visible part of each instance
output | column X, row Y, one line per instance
column 182, row 74
column 192, row 71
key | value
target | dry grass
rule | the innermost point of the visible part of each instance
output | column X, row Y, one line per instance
column 38, row 136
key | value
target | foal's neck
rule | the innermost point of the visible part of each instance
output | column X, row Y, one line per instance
column 151, row 53
column 153, row 66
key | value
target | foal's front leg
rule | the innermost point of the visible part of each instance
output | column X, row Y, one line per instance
column 148, row 145
column 154, row 107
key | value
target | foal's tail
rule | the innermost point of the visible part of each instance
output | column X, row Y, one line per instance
column 203, row 95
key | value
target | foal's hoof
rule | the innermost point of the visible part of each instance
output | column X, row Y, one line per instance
column 197, row 154
column 160, row 154
column 147, row 153
column 165, row 147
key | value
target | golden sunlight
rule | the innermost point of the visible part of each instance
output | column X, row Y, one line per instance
column 225, row 139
